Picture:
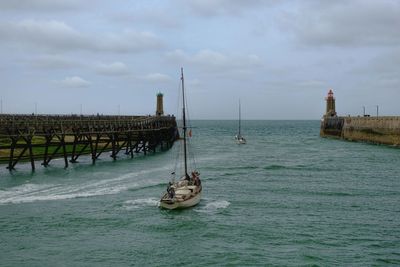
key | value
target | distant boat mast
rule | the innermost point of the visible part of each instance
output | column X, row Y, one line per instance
column 240, row 119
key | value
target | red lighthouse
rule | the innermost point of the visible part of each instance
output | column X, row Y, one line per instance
column 330, row 105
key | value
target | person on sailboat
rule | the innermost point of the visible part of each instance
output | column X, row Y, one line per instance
column 170, row 191
column 194, row 178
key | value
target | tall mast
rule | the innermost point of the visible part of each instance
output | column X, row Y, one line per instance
column 239, row 118
column 184, row 122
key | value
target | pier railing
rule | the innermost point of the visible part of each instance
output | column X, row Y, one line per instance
column 45, row 137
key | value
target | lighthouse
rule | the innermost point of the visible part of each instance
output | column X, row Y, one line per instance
column 330, row 105
column 160, row 108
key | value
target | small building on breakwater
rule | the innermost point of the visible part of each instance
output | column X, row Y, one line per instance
column 378, row 130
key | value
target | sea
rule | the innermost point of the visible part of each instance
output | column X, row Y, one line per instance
column 286, row 198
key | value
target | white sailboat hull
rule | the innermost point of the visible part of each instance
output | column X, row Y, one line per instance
column 178, row 202
column 241, row 141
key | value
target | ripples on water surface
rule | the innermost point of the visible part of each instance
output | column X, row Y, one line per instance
column 287, row 198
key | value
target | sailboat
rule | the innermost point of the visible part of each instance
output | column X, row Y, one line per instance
column 239, row 138
column 187, row 191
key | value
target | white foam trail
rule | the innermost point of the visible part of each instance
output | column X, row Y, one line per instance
column 25, row 189
column 45, row 192
column 140, row 203
column 25, row 193
column 214, row 206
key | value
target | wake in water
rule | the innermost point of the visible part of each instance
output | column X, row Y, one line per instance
column 140, row 203
column 46, row 192
column 214, row 206
column 143, row 203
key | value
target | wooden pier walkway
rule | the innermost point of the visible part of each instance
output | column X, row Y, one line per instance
column 45, row 137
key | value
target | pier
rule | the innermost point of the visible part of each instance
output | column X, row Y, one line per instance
column 378, row 130
column 33, row 138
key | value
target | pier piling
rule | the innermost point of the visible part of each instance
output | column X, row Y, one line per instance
column 31, row 138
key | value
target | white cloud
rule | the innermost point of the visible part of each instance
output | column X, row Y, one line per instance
column 58, row 36
column 209, row 57
column 52, row 62
column 383, row 69
column 39, row 5
column 49, row 34
column 157, row 77
column 113, row 69
column 155, row 17
column 345, row 23
column 177, row 54
column 74, row 82
column 223, row 7
column 312, row 84
column 213, row 60
column 129, row 41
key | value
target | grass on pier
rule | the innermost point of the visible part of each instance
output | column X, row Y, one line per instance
column 39, row 152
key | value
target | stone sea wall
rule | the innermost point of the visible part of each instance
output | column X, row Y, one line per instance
column 332, row 127
column 379, row 130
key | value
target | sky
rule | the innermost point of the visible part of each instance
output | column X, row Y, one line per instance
column 278, row 57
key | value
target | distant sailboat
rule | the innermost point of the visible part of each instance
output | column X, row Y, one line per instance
column 239, row 138
column 187, row 191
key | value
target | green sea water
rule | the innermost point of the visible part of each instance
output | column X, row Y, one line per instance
column 286, row 198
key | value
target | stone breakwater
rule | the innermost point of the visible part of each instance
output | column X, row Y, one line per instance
column 378, row 130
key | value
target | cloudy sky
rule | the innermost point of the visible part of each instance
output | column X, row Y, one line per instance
column 279, row 57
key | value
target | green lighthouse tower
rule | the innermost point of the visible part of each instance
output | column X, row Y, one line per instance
column 160, row 108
